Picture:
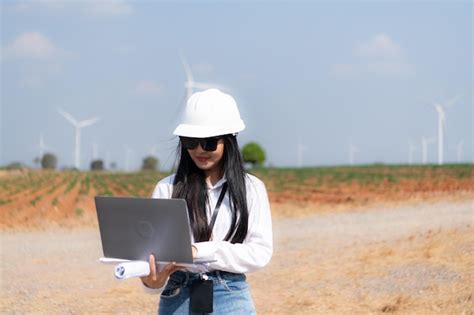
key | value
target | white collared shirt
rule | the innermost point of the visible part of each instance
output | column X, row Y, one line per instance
column 256, row 250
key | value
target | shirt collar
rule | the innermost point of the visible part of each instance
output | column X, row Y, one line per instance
column 219, row 183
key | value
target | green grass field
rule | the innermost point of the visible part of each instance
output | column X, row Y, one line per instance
column 281, row 179
column 28, row 195
column 276, row 179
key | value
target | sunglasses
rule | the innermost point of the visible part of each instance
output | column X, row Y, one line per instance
column 208, row 144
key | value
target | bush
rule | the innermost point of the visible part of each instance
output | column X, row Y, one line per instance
column 253, row 153
column 49, row 161
column 97, row 165
column 15, row 166
column 150, row 163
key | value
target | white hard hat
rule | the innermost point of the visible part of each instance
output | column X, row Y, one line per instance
column 210, row 113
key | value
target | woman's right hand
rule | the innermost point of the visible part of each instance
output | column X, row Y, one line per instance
column 156, row 280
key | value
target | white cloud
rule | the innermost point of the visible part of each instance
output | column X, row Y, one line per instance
column 380, row 56
column 96, row 8
column 29, row 5
column 108, row 8
column 34, row 58
column 31, row 45
column 148, row 89
column 381, row 46
column 383, row 68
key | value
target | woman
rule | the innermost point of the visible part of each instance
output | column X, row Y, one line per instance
column 228, row 210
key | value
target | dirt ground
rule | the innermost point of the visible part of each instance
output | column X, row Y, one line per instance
column 414, row 258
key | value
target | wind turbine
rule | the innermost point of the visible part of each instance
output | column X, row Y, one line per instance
column 424, row 148
column 190, row 84
column 78, row 125
column 460, row 151
column 300, row 149
column 107, row 159
column 352, row 151
column 42, row 146
column 129, row 153
column 440, row 109
column 153, row 150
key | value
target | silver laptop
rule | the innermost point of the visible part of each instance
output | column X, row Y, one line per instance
column 134, row 228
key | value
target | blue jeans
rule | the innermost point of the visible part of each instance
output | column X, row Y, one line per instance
column 231, row 294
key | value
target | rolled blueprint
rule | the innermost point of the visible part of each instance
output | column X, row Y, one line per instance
column 132, row 269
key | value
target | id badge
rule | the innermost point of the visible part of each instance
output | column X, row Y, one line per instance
column 202, row 296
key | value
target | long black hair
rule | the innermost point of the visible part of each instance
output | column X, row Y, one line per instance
column 190, row 184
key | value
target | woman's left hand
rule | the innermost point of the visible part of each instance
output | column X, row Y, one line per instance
column 157, row 279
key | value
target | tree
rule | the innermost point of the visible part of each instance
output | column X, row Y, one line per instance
column 97, row 165
column 253, row 153
column 16, row 166
column 49, row 161
column 150, row 163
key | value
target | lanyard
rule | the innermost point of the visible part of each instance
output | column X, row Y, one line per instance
column 218, row 205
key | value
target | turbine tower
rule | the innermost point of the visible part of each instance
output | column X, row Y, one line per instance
column 190, row 84
column 153, row 150
column 129, row 155
column 301, row 148
column 460, row 151
column 78, row 125
column 42, row 146
column 440, row 109
column 107, row 159
column 352, row 151
column 424, row 148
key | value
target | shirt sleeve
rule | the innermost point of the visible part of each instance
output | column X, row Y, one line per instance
column 151, row 290
column 257, row 249
column 164, row 188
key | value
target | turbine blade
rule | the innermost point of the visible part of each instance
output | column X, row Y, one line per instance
column 438, row 107
column 88, row 122
column 187, row 69
column 451, row 102
column 68, row 117
column 205, row 86
column 42, row 145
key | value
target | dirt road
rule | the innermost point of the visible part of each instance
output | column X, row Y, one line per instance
column 409, row 259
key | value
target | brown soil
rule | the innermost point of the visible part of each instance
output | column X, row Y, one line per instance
column 24, row 197
column 404, row 247
column 72, row 209
column 406, row 260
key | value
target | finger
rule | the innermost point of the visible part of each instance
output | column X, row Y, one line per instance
column 152, row 267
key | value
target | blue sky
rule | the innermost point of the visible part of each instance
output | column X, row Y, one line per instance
column 321, row 75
